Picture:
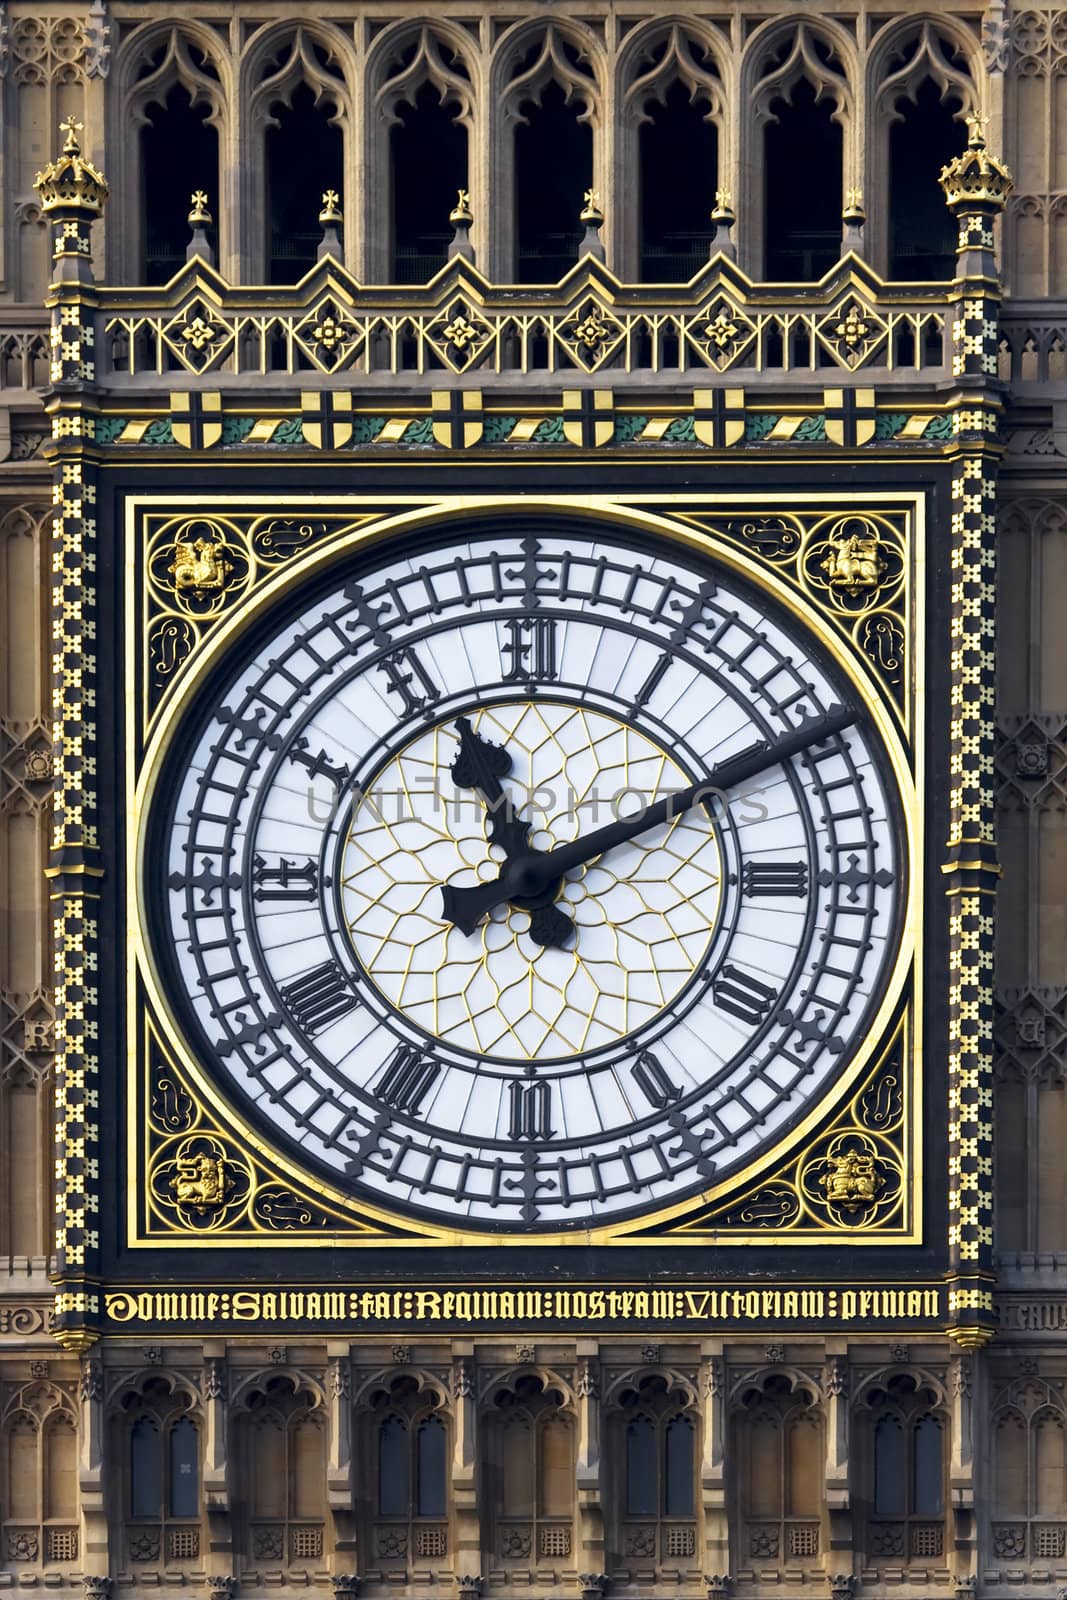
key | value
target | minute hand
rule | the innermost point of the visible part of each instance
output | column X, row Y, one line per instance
column 747, row 764
column 531, row 874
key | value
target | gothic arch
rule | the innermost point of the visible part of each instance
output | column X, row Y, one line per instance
column 777, row 1423
column 404, row 60
column 681, row 1386
column 38, row 1475
column 781, row 56
column 282, row 58
column 403, row 1423
column 657, row 58
column 527, row 59
column 154, row 59
column 906, row 56
column 426, row 1383
column 653, row 1434
column 280, row 1438
column 529, row 1461
column 293, row 1379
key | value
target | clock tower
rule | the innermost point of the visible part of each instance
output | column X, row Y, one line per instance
column 523, row 873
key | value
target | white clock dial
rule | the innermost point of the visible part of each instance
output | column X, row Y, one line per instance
column 423, row 920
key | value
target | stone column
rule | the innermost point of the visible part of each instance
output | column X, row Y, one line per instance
column 713, row 1464
column 216, row 1457
column 590, row 1553
column 339, row 1459
column 467, row 1564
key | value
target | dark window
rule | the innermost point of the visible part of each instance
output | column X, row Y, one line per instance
column 429, row 162
column 553, row 169
column 890, row 1472
column 679, row 167
column 678, row 1490
column 394, row 1489
column 802, row 178
column 179, row 153
column 146, row 1469
column 184, row 1469
column 640, row 1468
column 922, row 234
column 926, row 1447
column 431, row 1468
column 304, row 157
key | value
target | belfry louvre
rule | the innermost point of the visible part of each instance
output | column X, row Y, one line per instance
column 533, row 732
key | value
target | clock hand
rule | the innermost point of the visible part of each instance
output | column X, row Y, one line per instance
column 480, row 765
column 529, row 877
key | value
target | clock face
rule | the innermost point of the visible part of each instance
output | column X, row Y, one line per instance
column 528, row 882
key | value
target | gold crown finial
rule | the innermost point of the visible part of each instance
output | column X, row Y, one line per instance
column 461, row 211
column 591, row 212
column 723, row 210
column 331, row 207
column 71, row 127
column 199, row 215
column 976, row 179
column 70, row 181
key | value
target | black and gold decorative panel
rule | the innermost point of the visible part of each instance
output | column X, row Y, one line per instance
column 541, row 872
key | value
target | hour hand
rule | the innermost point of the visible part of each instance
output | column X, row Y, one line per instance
column 480, row 765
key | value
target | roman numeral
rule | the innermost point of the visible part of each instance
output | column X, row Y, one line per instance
column 531, row 1110
column 286, row 881
column 775, row 878
column 405, row 670
column 653, row 1081
column 317, row 766
column 743, row 996
column 407, row 1076
column 320, row 997
column 532, row 649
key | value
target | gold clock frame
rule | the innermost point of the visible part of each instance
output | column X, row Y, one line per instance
column 153, row 1030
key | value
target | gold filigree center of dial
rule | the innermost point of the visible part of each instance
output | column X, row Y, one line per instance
column 643, row 914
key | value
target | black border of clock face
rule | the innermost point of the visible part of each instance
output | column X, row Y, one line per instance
column 477, row 530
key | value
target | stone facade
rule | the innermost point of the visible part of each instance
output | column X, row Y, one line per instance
column 285, row 1443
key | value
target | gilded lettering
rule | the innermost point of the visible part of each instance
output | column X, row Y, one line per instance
column 246, row 1305
column 120, row 1307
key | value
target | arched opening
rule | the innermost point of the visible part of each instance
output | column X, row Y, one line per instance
column 431, row 1468
column 429, row 164
column 179, row 153
column 678, row 1468
column 304, row 158
column 679, row 162
column 553, row 169
column 922, row 234
column 641, row 1468
column 802, row 187
column 184, row 1469
column 394, row 1490
column 146, row 1469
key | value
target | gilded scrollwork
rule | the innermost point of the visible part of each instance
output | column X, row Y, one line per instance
column 197, row 568
column 853, row 1180
column 853, row 563
column 201, row 1181
column 852, row 566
